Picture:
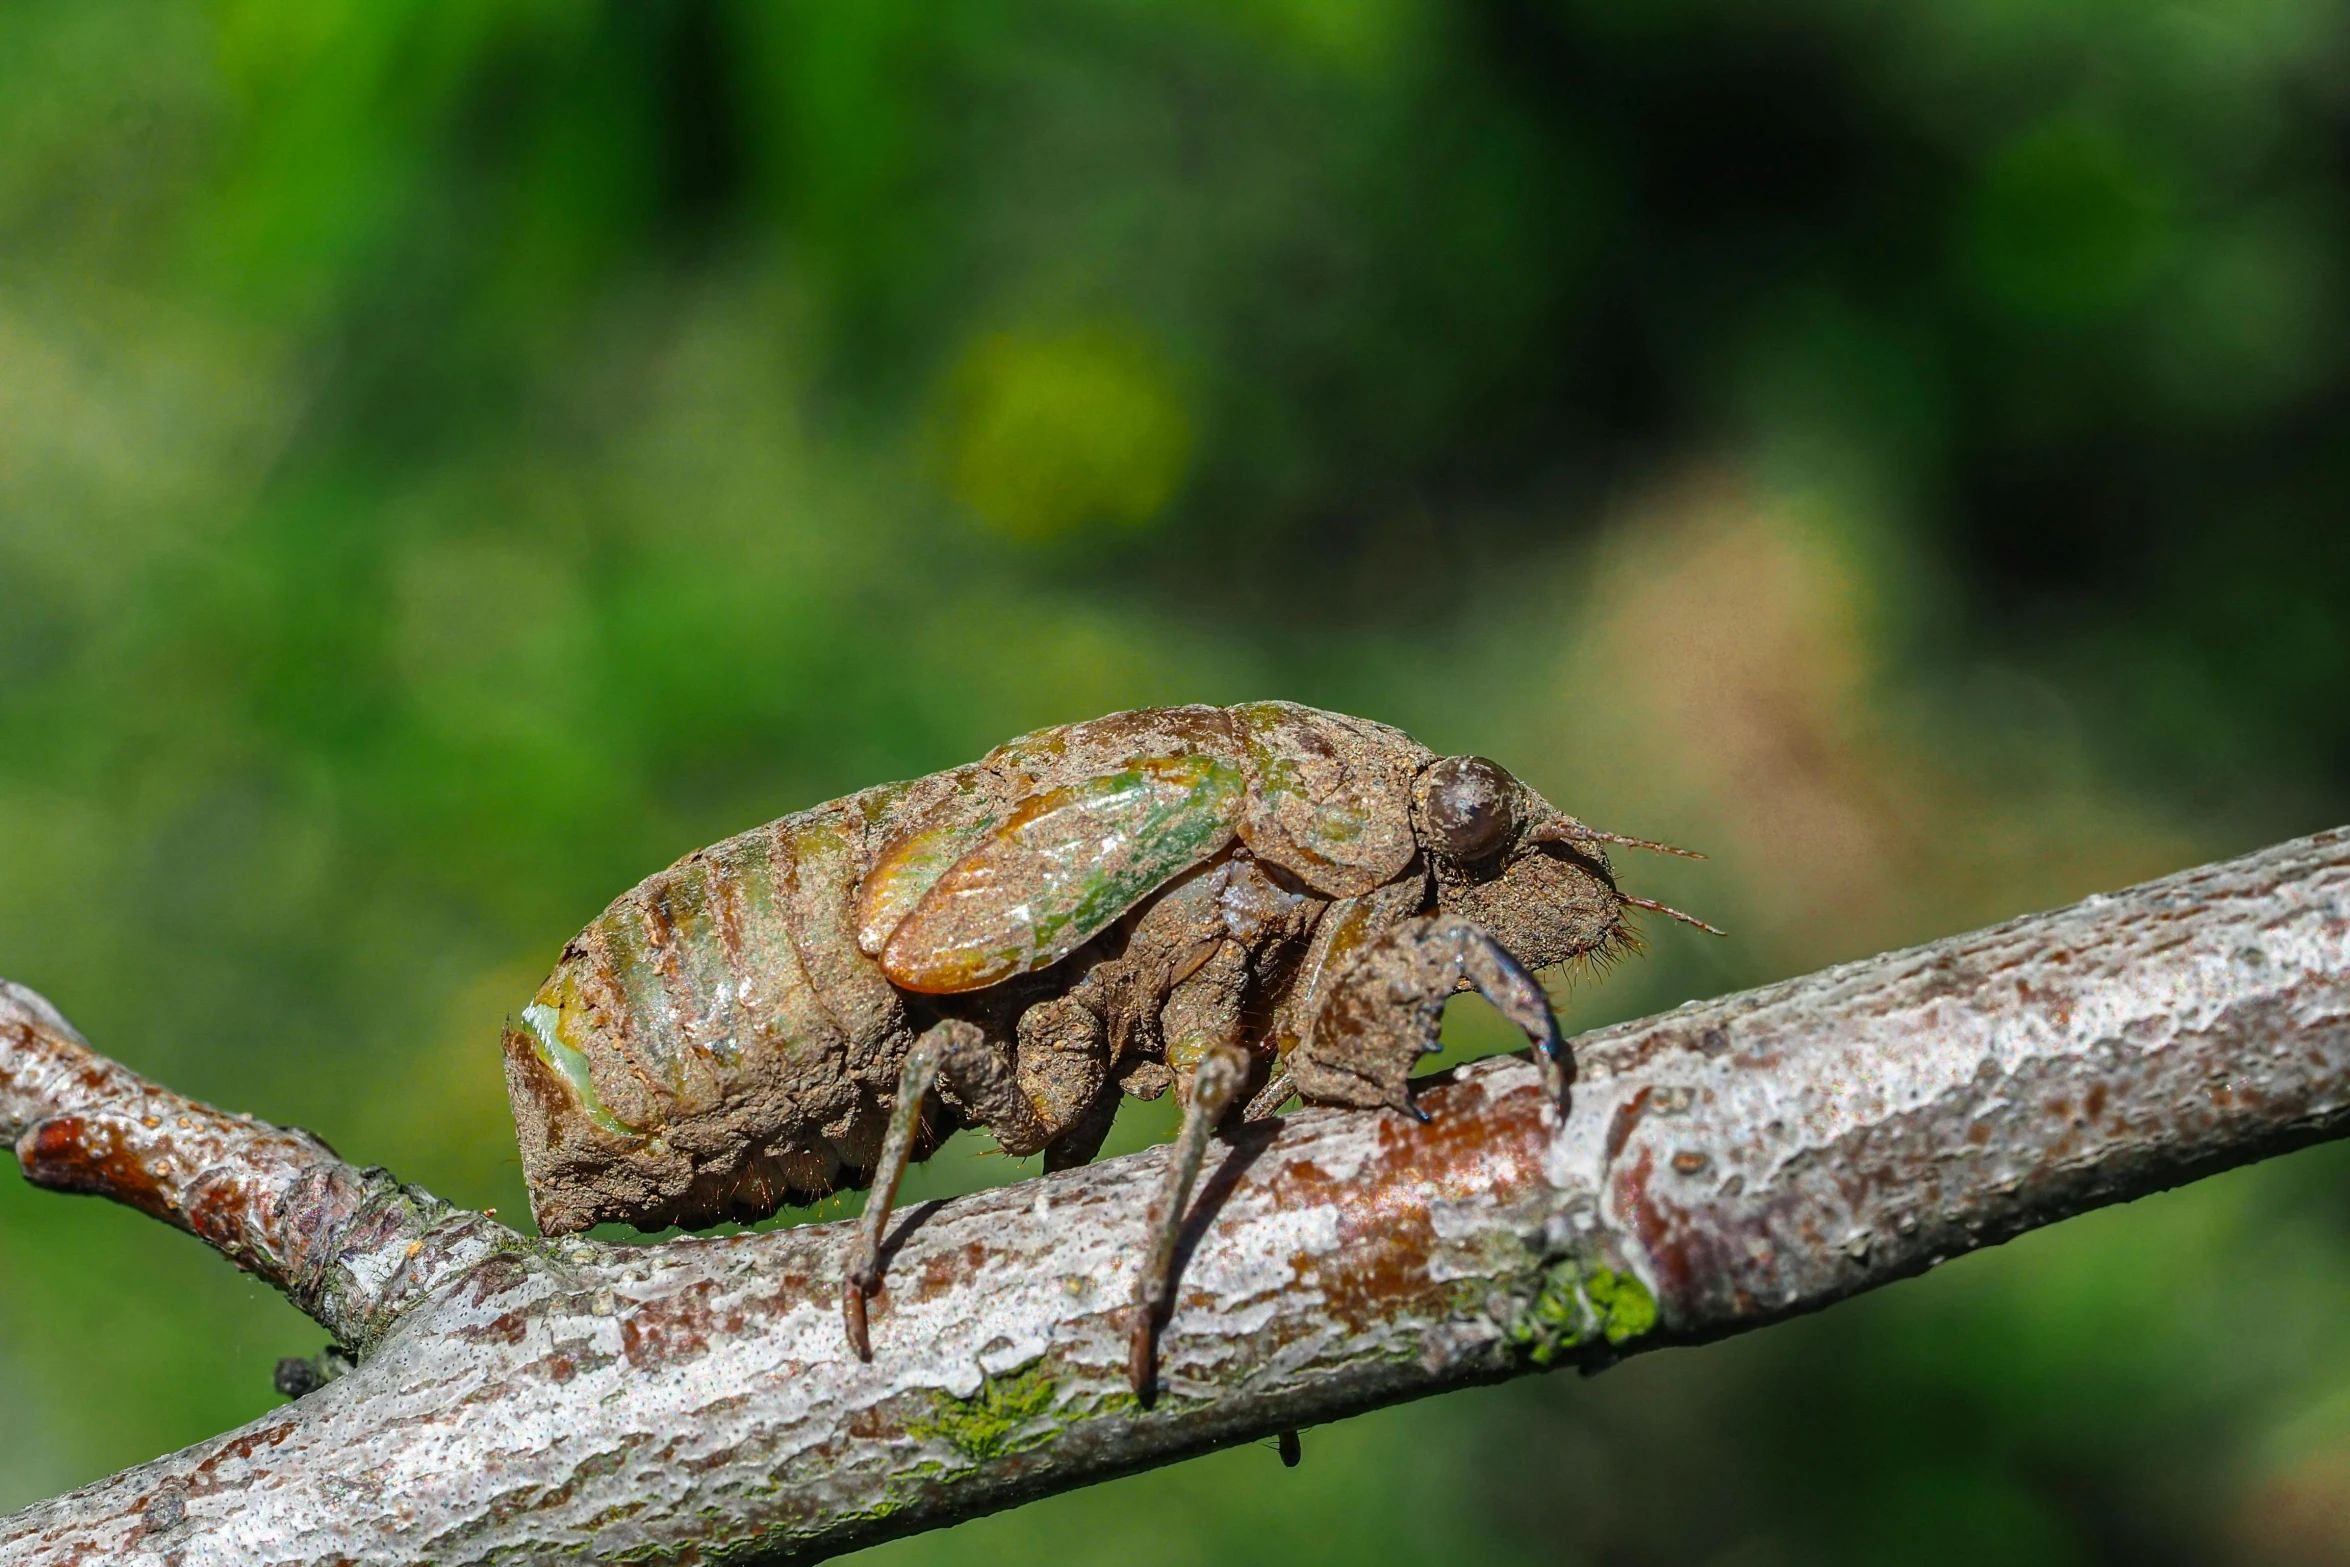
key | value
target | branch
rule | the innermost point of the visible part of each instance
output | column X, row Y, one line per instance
column 1723, row 1165
column 352, row 1248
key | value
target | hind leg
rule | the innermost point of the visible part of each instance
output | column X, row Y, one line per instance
column 1046, row 1098
column 951, row 1039
column 1385, row 1011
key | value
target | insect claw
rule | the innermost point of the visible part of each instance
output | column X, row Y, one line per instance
column 852, row 1311
column 1141, row 1356
column 1658, row 908
column 1556, row 1063
column 1554, row 1079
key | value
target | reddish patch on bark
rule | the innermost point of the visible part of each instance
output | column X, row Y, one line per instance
column 1678, row 1252
column 1627, row 1116
column 673, row 1328
column 2054, row 1004
column 1475, row 1144
column 244, row 1447
column 1623, row 1057
column 214, row 1175
column 69, row 1076
column 508, row 1327
column 651, row 1342
column 945, row 1271
column 90, row 1154
column 493, row 1277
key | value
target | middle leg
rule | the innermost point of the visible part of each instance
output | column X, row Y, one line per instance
column 1222, row 1072
column 1202, row 1024
column 952, row 1038
column 1047, row 1098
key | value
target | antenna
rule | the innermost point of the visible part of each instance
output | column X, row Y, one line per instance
column 1569, row 829
column 1641, row 843
column 1658, row 908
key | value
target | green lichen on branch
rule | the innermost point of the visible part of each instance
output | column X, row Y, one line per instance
column 1576, row 1306
column 1006, row 1415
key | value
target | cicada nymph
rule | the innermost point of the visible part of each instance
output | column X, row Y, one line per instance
column 1235, row 904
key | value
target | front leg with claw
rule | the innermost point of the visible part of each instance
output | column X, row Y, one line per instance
column 1386, row 1010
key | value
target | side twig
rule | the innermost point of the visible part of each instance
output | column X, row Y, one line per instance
column 1722, row 1166
column 352, row 1248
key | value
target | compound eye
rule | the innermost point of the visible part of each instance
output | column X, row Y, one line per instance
column 1467, row 806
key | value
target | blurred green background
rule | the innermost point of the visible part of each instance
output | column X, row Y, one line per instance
column 456, row 457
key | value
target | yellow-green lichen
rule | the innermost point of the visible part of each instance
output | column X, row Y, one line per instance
column 1576, row 1306
column 1625, row 1307
column 1002, row 1417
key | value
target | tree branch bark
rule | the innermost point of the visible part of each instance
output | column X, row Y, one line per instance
column 1722, row 1166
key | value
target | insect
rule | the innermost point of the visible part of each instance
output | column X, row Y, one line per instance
column 1230, row 904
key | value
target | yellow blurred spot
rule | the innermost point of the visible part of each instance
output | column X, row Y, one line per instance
column 2298, row 1516
column 1354, row 36
column 1732, row 685
column 1049, row 434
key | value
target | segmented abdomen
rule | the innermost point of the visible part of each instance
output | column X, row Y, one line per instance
column 713, row 1043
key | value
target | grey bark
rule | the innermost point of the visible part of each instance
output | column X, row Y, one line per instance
column 1723, row 1165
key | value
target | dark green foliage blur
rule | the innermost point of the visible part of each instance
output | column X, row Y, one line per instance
column 456, row 458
